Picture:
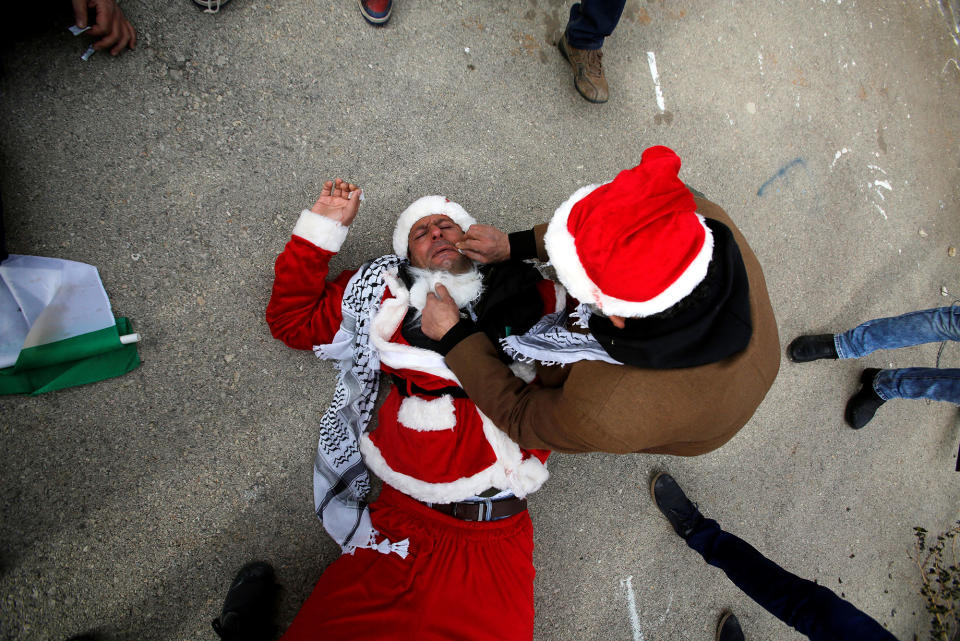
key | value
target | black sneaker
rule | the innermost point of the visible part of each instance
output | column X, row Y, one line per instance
column 864, row 404
column 804, row 349
column 728, row 628
column 682, row 514
column 248, row 609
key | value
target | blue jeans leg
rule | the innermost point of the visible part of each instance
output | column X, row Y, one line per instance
column 918, row 382
column 808, row 608
column 591, row 21
column 914, row 328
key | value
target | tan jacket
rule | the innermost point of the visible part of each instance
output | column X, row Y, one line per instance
column 594, row 406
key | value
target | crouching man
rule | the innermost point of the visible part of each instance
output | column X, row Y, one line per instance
column 673, row 344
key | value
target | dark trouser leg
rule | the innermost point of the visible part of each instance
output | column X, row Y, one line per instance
column 809, row 608
column 591, row 21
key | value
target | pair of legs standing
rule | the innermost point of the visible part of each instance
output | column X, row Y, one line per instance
column 914, row 328
column 879, row 386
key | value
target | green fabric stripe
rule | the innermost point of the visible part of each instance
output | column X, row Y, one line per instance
column 70, row 349
column 117, row 360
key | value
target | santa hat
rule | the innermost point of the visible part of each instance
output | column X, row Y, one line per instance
column 634, row 246
column 427, row 206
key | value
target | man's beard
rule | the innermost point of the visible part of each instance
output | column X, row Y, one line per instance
column 463, row 288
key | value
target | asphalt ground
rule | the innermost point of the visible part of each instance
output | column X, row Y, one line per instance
column 827, row 129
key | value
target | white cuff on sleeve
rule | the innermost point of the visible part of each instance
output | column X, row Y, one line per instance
column 323, row 232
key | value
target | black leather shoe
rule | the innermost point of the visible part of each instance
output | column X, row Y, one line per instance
column 728, row 628
column 864, row 404
column 248, row 609
column 812, row 347
column 670, row 499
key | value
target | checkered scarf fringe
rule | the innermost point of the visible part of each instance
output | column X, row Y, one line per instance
column 341, row 482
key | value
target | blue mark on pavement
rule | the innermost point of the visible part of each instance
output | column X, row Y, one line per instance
column 781, row 173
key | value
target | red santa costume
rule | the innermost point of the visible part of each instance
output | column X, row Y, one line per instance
column 415, row 569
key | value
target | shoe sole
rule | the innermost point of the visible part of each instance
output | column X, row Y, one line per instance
column 372, row 20
column 563, row 52
column 653, row 482
column 723, row 619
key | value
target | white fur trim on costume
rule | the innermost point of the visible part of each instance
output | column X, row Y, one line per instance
column 325, row 233
column 509, row 472
column 427, row 206
column 520, row 476
column 562, row 250
column 398, row 356
column 427, row 415
column 457, row 490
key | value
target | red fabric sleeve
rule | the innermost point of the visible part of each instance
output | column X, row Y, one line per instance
column 304, row 308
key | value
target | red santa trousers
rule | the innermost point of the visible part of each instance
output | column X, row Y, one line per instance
column 461, row 580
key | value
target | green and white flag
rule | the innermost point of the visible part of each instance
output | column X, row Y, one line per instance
column 57, row 328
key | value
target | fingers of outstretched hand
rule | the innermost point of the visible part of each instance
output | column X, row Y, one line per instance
column 331, row 188
column 342, row 188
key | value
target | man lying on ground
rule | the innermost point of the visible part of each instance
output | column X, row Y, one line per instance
column 446, row 550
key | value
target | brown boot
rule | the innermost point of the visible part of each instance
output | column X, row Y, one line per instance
column 587, row 71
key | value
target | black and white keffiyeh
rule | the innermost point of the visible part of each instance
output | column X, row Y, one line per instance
column 341, row 482
column 549, row 342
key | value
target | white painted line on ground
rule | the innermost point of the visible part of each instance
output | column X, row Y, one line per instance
column 632, row 605
column 652, row 61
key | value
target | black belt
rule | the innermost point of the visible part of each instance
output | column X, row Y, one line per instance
column 409, row 388
column 485, row 510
